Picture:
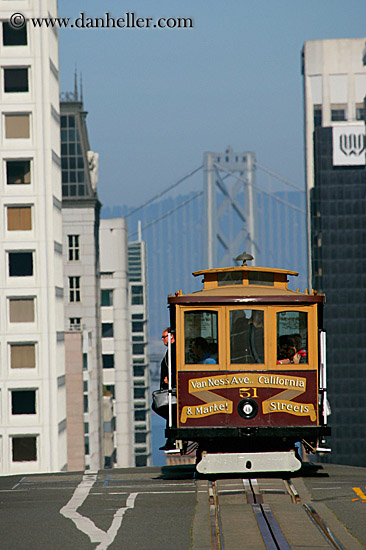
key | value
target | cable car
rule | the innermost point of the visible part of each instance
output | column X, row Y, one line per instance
column 250, row 370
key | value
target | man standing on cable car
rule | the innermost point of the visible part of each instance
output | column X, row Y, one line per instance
column 164, row 382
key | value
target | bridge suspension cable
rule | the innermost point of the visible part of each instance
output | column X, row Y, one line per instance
column 184, row 203
column 229, row 173
column 280, row 178
column 286, row 203
column 181, row 180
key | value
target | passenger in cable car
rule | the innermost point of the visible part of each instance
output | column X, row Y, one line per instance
column 287, row 350
column 300, row 348
column 200, row 350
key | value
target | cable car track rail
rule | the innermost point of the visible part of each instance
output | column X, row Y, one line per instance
column 269, row 528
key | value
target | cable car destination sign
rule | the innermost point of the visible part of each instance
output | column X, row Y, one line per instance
column 249, row 385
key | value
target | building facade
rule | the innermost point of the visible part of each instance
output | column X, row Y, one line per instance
column 334, row 92
column 116, row 353
column 32, row 365
column 137, row 269
column 80, row 216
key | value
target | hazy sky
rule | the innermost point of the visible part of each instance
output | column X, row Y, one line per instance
column 158, row 98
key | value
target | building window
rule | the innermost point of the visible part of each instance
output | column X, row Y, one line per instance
column 20, row 264
column 338, row 113
column 108, row 361
column 17, row 126
column 107, row 297
column 74, row 248
column 141, row 461
column 318, row 116
column 19, row 218
column 14, row 37
column 18, row 172
column 137, row 338
column 137, row 292
column 24, row 448
column 16, row 80
column 109, row 390
column 138, row 349
column 360, row 111
column 21, row 310
column 86, row 403
column 140, row 437
column 85, row 361
column 22, row 356
column 72, row 158
column 107, row 330
column 137, row 316
column 74, row 289
column 139, row 370
column 140, row 416
column 86, row 441
column 75, row 323
column 137, row 326
column 23, row 402
column 139, row 393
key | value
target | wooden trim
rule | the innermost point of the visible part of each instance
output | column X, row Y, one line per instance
column 211, row 300
column 270, row 343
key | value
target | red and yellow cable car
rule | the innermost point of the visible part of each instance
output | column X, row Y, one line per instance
column 250, row 370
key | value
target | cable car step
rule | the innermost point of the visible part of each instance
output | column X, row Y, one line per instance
column 282, row 461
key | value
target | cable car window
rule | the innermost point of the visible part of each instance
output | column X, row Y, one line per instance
column 230, row 278
column 246, row 336
column 292, row 337
column 200, row 333
column 260, row 278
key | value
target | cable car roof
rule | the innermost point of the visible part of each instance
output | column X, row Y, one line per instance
column 246, row 284
column 244, row 268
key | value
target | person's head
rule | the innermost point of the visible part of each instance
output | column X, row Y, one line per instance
column 287, row 347
column 298, row 341
column 165, row 338
column 199, row 347
column 257, row 318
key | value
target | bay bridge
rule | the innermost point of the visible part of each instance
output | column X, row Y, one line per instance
column 228, row 204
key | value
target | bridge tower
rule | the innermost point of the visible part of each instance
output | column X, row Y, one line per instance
column 229, row 206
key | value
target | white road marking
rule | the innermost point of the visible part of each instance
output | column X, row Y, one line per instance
column 19, row 482
column 86, row 525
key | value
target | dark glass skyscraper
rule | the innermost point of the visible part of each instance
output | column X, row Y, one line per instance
column 338, row 223
column 335, row 88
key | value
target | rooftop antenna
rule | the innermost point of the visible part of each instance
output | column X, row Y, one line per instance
column 75, row 85
column 81, row 87
column 244, row 257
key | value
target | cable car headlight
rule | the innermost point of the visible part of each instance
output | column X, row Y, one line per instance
column 247, row 408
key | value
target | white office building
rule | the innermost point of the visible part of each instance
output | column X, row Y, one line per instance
column 32, row 362
column 137, row 269
column 80, row 214
column 116, row 354
column 334, row 74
